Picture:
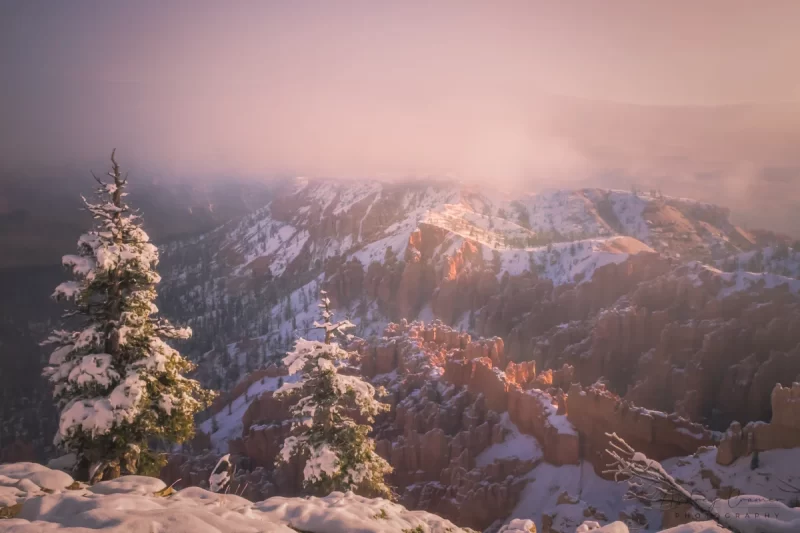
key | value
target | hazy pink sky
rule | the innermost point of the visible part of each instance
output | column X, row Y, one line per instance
column 372, row 88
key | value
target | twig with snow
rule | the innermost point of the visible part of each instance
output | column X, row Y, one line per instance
column 649, row 482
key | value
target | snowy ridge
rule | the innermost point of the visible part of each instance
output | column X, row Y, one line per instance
column 778, row 259
column 739, row 280
column 571, row 262
column 524, row 221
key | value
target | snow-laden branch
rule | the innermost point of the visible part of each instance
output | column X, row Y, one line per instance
column 649, row 482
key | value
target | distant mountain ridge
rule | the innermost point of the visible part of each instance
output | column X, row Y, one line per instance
column 418, row 249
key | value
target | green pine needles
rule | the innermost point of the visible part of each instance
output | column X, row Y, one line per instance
column 339, row 454
column 116, row 381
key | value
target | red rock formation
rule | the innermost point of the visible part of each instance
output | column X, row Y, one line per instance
column 472, row 497
column 595, row 412
column 263, row 442
column 782, row 432
column 266, row 409
column 533, row 412
column 272, row 371
column 549, row 379
column 492, row 349
column 521, row 373
column 491, row 382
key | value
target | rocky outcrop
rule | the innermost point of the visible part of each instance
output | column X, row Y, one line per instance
column 533, row 413
column 665, row 340
column 479, row 376
column 521, row 373
column 431, row 428
column 266, row 409
column 474, row 497
column 447, row 393
column 271, row 371
column 782, row 432
column 594, row 412
column 263, row 442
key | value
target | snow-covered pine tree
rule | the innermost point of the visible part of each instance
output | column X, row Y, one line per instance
column 117, row 383
column 339, row 454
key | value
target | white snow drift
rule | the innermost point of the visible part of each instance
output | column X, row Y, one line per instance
column 130, row 505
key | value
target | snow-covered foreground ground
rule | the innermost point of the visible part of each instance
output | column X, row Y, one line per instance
column 50, row 501
column 38, row 499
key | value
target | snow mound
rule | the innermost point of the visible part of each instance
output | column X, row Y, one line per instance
column 36, row 473
column 756, row 514
column 129, row 505
column 349, row 513
column 708, row 526
column 129, row 485
column 518, row 526
column 748, row 514
column 594, row 527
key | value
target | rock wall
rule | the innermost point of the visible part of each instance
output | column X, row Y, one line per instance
column 474, row 497
column 782, row 432
column 667, row 342
column 272, row 371
column 595, row 411
column 533, row 413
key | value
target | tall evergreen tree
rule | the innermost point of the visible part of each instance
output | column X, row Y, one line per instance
column 339, row 454
column 117, row 383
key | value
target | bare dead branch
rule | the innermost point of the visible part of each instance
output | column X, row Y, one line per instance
column 98, row 180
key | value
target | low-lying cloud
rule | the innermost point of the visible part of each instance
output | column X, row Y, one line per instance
column 469, row 90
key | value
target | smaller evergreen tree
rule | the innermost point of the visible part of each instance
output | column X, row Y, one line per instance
column 338, row 452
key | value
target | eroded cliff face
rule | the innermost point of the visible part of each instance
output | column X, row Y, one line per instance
column 448, row 398
column 782, row 432
column 671, row 344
